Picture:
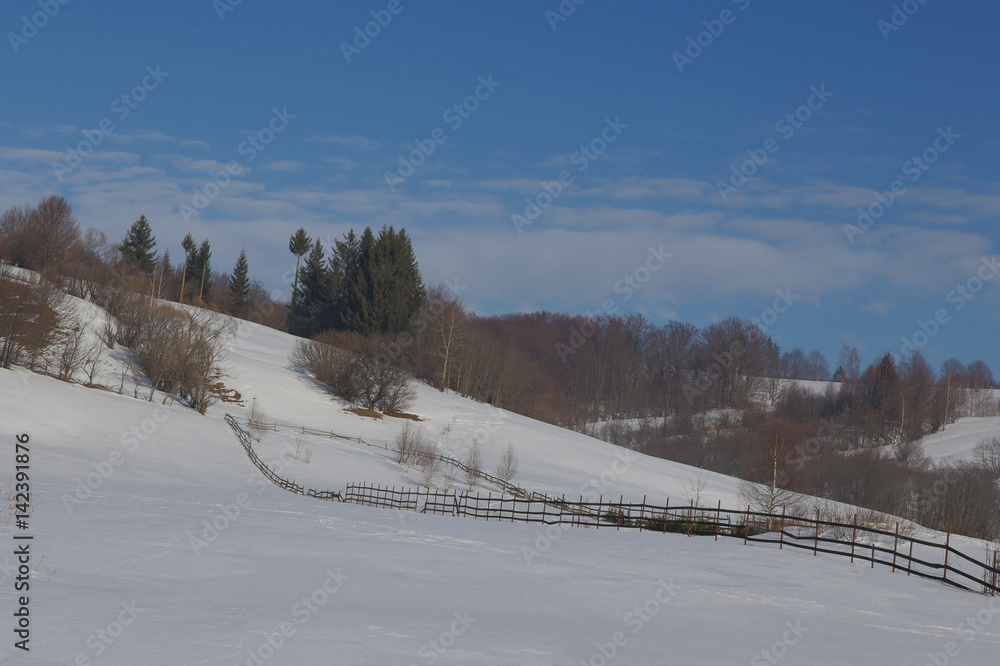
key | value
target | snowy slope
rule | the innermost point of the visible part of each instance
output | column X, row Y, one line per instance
column 157, row 543
column 959, row 439
column 552, row 459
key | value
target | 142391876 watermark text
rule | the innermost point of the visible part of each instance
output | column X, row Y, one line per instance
column 22, row 542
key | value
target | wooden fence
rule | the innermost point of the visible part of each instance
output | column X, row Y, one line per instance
column 509, row 488
column 858, row 541
column 291, row 486
column 862, row 543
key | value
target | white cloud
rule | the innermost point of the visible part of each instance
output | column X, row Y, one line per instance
column 285, row 166
column 358, row 143
column 194, row 143
column 879, row 307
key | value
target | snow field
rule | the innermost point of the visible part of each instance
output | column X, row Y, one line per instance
column 158, row 542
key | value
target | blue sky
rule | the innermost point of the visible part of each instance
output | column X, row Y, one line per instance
column 617, row 133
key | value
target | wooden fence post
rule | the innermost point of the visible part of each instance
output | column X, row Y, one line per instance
column 718, row 513
column 947, row 543
column 854, row 536
column 690, row 517
column 781, row 530
column 618, row 523
column 600, row 503
column 993, row 592
column 746, row 525
column 895, row 544
column 642, row 513
column 816, row 537
column 909, row 561
column 666, row 512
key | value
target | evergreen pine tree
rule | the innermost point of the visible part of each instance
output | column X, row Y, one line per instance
column 205, row 272
column 137, row 247
column 399, row 289
column 239, row 286
column 344, row 266
column 356, row 308
column 190, row 257
column 377, row 282
column 298, row 245
column 311, row 305
column 165, row 264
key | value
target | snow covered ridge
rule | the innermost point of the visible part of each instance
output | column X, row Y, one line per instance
column 292, row 580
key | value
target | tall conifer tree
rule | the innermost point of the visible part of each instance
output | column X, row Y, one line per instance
column 137, row 247
column 239, row 286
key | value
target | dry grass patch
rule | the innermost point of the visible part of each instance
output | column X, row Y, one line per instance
column 360, row 411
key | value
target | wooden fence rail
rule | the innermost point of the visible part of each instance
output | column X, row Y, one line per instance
column 507, row 487
column 867, row 544
column 291, row 486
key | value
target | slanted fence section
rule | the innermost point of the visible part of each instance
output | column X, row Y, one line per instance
column 483, row 475
column 291, row 486
column 866, row 545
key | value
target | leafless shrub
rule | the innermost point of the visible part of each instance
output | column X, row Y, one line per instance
column 450, row 477
column 473, row 464
column 92, row 356
column 31, row 320
column 328, row 365
column 181, row 352
column 355, row 377
column 987, row 455
column 256, row 420
column 71, row 356
column 911, row 454
column 411, row 445
column 131, row 312
column 430, row 467
column 507, row 466
column 305, row 455
column 109, row 332
column 694, row 489
column 769, row 498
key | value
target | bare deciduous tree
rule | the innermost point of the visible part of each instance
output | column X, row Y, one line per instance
column 506, row 468
column 93, row 354
column 256, row 420
column 74, row 350
column 430, row 468
column 473, row 464
column 773, row 473
column 446, row 331
column 409, row 440
column 31, row 314
column 181, row 352
column 987, row 455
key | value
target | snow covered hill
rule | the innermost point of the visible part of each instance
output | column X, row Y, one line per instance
column 959, row 439
column 157, row 542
